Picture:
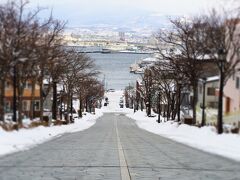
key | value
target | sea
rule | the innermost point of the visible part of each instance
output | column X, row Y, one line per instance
column 114, row 68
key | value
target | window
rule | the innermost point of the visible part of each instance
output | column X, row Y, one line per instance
column 8, row 106
column 7, row 84
column 238, row 82
column 37, row 86
column 211, row 91
column 233, row 76
column 26, row 105
column 28, row 85
column 37, row 105
column 200, row 89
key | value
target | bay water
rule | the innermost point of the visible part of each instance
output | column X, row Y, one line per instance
column 114, row 68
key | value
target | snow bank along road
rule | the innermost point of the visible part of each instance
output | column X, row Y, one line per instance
column 115, row 148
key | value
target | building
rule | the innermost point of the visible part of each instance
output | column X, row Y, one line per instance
column 232, row 94
column 232, row 87
column 122, row 36
column 27, row 96
column 211, row 97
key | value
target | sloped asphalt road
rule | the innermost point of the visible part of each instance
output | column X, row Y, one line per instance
column 94, row 154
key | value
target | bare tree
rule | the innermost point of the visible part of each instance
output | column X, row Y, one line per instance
column 164, row 83
column 148, row 92
column 185, row 50
column 49, row 55
column 76, row 66
column 27, row 46
column 86, row 82
column 222, row 39
column 17, row 34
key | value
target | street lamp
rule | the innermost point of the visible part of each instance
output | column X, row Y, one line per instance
column 203, row 102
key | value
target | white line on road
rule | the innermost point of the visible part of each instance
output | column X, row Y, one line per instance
column 122, row 160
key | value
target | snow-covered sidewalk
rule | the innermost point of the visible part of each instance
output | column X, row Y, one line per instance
column 26, row 138
column 206, row 138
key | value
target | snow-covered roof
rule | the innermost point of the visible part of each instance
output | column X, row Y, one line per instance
column 212, row 78
column 46, row 81
column 149, row 59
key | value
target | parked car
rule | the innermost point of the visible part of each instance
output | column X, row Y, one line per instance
column 111, row 90
column 8, row 116
column 75, row 116
column 121, row 105
column 106, row 100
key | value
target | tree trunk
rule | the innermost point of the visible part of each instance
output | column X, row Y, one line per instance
column 149, row 105
column 41, row 98
column 71, row 106
column 203, row 105
column 61, row 107
column 2, row 99
column 159, row 104
column 137, row 99
column 68, row 107
column 179, row 102
column 141, row 104
column 54, row 102
column 195, row 98
column 32, row 105
column 80, row 107
column 173, row 108
column 137, row 104
column 220, row 102
column 14, row 94
column 86, row 104
column 20, row 102
column 168, row 107
column 90, row 106
column 20, row 117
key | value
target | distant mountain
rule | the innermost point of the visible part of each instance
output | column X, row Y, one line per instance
column 154, row 21
column 143, row 25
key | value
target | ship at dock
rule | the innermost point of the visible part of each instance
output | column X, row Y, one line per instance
column 139, row 67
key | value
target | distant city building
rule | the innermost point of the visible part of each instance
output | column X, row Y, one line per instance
column 122, row 36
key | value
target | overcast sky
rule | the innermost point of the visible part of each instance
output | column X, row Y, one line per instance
column 80, row 12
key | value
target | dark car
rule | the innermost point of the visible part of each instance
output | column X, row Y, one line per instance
column 121, row 105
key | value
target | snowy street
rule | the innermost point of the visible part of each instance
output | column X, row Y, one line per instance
column 115, row 144
column 95, row 152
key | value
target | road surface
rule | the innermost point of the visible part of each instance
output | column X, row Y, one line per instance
column 115, row 148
